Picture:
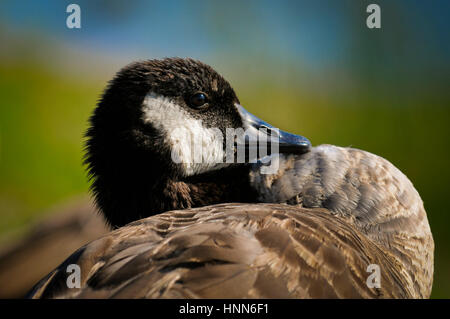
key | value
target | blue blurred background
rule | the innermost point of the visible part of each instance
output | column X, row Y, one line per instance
column 311, row 67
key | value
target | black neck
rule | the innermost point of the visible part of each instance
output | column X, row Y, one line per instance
column 134, row 194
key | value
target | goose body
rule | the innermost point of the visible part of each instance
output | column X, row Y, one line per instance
column 313, row 228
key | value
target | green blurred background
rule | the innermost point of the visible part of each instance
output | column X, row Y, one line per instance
column 310, row 67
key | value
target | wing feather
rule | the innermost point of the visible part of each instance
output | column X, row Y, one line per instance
column 231, row 251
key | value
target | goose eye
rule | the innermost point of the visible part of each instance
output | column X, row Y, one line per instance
column 198, row 100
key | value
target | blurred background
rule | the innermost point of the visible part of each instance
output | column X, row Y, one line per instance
column 310, row 67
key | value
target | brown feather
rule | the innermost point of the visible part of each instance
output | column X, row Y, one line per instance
column 234, row 251
column 348, row 209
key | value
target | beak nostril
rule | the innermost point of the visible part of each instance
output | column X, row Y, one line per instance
column 288, row 143
column 270, row 131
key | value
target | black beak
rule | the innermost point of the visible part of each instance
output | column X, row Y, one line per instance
column 258, row 132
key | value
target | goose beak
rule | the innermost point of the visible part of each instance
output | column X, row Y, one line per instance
column 256, row 130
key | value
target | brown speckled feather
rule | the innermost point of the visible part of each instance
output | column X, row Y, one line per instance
column 346, row 209
column 230, row 251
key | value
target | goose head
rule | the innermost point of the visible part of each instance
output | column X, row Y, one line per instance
column 171, row 134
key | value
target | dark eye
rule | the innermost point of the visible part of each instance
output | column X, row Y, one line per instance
column 198, row 100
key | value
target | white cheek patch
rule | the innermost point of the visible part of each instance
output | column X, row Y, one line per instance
column 197, row 148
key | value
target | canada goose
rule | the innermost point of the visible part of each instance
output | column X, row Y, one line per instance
column 310, row 229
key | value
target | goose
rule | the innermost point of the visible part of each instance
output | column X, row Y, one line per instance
column 327, row 222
